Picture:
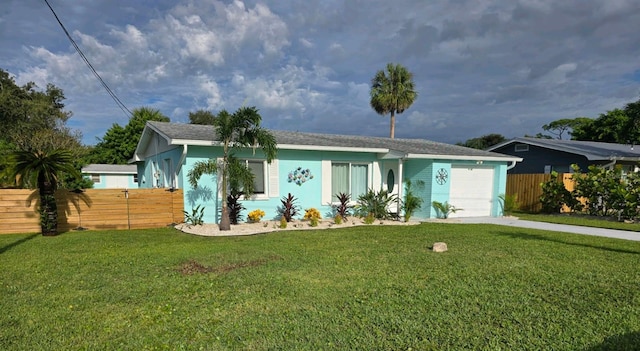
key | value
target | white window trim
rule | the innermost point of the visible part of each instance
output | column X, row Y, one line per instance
column 95, row 176
column 350, row 163
column 265, row 178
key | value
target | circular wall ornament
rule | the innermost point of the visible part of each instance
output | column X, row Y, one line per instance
column 442, row 176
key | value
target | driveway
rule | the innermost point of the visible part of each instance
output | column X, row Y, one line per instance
column 514, row 222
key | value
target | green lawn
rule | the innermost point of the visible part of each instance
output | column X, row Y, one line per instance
column 359, row 288
column 581, row 220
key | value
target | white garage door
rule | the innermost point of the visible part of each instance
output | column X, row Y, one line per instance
column 471, row 190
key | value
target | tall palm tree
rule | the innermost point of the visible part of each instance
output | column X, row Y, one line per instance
column 392, row 92
column 234, row 131
column 43, row 169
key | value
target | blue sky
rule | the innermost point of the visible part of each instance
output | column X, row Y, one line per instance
column 480, row 67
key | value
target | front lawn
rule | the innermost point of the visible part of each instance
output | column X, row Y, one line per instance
column 581, row 220
column 365, row 288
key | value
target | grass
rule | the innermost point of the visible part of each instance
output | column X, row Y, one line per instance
column 581, row 220
column 365, row 288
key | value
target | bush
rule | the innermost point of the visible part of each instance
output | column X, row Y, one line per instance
column 343, row 209
column 509, row 203
column 289, row 208
column 555, row 195
column 312, row 213
column 235, row 208
column 375, row 204
column 411, row 203
column 195, row 217
column 443, row 210
column 255, row 216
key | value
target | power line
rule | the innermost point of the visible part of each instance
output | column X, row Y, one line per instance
column 95, row 73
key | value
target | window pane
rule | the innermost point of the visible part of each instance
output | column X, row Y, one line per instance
column 339, row 180
column 358, row 181
column 257, row 168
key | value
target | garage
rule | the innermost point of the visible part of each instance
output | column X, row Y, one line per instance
column 471, row 190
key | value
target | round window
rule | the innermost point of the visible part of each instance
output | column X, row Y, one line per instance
column 391, row 181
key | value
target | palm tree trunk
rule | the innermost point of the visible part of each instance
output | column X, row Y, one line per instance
column 392, row 127
column 48, row 209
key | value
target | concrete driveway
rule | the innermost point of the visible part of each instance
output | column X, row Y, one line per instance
column 514, row 222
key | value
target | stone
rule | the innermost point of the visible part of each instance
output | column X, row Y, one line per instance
column 439, row 247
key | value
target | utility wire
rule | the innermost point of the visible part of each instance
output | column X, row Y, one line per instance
column 95, row 73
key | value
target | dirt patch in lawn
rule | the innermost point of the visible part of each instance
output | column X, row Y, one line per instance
column 194, row 267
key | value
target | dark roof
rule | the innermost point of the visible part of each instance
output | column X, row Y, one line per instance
column 178, row 133
column 592, row 150
column 105, row 168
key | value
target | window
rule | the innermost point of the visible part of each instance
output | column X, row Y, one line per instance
column 350, row 179
column 95, row 178
column 257, row 168
column 522, row 147
column 135, row 178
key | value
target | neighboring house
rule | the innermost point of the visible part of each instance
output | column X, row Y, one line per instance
column 112, row 176
column 547, row 155
column 315, row 167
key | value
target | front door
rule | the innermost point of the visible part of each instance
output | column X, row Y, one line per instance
column 391, row 182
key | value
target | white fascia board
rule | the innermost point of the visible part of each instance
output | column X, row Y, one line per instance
column 469, row 158
column 331, row 148
column 193, row 142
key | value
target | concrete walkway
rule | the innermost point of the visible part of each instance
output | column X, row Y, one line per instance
column 514, row 222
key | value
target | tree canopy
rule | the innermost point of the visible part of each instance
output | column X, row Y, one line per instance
column 119, row 143
column 34, row 120
column 484, row 141
column 201, row 117
column 392, row 91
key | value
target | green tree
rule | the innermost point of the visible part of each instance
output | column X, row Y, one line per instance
column 611, row 127
column 201, row 117
column 235, row 131
column 119, row 143
column 42, row 169
column 392, row 92
column 484, row 141
column 565, row 125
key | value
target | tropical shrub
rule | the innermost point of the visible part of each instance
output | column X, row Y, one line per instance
column 195, row 217
column 411, row 203
column 555, row 195
column 338, row 219
column 283, row 223
column 255, row 216
column 376, row 204
column 509, row 203
column 443, row 210
column 235, row 208
column 311, row 213
column 343, row 209
column 289, row 208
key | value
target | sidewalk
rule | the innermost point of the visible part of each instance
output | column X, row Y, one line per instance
column 514, row 222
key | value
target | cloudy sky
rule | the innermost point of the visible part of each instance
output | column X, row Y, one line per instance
column 480, row 67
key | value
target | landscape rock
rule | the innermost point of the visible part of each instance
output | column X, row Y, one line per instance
column 440, row 247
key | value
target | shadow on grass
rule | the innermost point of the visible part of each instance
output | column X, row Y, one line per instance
column 17, row 242
column 529, row 236
column 621, row 342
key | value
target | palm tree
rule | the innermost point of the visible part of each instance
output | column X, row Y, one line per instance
column 234, row 131
column 392, row 92
column 43, row 169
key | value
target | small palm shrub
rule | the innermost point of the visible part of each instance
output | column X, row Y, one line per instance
column 411, row 203
column 283, row 223
column 376, row 204
column 443, row 210
column 289, row 208
column 338, row 219
column 255, row 216
column 509, row 203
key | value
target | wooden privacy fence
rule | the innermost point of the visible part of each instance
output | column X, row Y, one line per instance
column 93, row 209
column 527, row 188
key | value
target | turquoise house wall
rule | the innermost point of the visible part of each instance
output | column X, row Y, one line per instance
column 420, row 171
column 104, row 178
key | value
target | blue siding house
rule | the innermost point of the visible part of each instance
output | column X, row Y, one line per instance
column 106, row 176
column 314, row 167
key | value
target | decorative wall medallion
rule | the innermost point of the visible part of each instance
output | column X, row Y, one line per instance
column 299, row 176
column 442, row 176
